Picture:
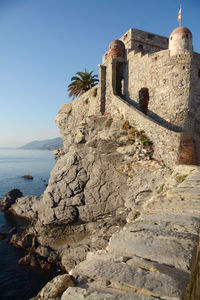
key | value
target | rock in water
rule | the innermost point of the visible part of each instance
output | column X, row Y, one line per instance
column 10, row 198
column 27, row 176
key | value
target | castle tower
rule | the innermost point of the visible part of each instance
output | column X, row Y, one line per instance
column 116, row 49
column 180, row 41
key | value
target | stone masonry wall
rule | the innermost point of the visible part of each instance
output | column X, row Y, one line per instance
column 168, row 81
column 166, row 142
column 194, row 102
column 144, row 41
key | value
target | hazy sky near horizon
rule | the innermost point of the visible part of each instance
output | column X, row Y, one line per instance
column 43, row 43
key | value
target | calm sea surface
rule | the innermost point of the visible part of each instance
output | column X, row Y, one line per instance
column 19, row 282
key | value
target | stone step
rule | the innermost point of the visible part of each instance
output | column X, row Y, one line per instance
column 168, row 223
column 186, row 190
column 188, row 211
column 190, row 183
column 111, row 272
column 174, row 195
column 176, row 204
column 91, row 293
column 194, row 176
column 170, row 248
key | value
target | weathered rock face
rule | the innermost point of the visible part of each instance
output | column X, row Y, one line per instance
column 86, row 200
column 86, row 194
column 84, row 183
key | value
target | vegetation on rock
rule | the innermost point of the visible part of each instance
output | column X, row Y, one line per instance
column 134, row 134
column 108, row 122
column 160, row 189
column 181, row 178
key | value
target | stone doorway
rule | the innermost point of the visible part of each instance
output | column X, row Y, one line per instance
column 119, row 79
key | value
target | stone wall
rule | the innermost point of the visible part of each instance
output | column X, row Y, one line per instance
column 194, row 100
column 143, row 41
column 173, row 81
column 168, row 81
column 166, row 142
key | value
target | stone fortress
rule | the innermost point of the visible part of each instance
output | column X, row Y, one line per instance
column 159, row 79
column 120, row 216
column 154, row 83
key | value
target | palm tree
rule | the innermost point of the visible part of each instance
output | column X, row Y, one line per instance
column 81, row 83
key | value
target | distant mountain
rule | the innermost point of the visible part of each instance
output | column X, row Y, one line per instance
column 50, row 144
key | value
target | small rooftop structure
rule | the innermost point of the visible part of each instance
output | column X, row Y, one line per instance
column 180, row 40
column 116, row 49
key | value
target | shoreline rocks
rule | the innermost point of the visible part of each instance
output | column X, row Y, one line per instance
column 10, row 198
column 100, row 183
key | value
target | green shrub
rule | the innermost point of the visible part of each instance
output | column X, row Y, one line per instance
column 132, row 131
column 181, row 178
column 126, row 125
column 108, row 122
column 160, row 189
column 143, row 138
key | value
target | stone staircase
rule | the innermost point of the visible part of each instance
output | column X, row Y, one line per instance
column 154, row 257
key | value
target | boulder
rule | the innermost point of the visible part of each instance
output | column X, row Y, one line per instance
column 56, row 287
column 10, row 198
column 27, row 176
column 33, row 260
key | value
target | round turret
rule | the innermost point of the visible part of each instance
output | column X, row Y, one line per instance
column 180, row 40
column 116, row 49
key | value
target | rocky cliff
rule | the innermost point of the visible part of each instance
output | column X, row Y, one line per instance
column 107, row 178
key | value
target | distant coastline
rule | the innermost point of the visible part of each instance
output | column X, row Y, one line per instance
column 49, row 144
column 7, row 148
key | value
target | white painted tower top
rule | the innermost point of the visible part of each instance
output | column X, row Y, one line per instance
column 180, row 40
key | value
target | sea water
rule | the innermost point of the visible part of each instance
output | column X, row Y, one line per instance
column 19, row 282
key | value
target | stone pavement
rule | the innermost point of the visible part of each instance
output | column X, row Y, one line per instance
column 154, row 257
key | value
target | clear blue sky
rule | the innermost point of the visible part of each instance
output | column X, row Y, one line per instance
column 43, row 43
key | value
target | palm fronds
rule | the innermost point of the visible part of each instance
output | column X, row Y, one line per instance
column 82, row 82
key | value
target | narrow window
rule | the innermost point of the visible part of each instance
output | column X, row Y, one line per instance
column 119, row 79
column 144, row 100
